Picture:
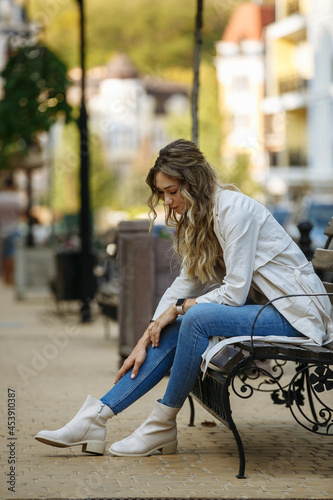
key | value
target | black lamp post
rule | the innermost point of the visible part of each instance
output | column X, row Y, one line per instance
column 87, row 278
column 196, row 68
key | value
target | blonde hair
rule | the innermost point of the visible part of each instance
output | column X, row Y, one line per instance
column 195, row 240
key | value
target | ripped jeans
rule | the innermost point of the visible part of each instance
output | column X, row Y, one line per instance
column 182, row 345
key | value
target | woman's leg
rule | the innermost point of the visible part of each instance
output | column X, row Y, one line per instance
column 87, row 428
column 157, row 364
column 206, row 320
column 159, row 431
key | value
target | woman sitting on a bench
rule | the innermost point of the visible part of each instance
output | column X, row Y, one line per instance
column 223, row 237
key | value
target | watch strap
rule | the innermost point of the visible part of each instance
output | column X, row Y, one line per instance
column 180, row 306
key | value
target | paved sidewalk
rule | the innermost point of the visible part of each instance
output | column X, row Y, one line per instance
column 52, row 362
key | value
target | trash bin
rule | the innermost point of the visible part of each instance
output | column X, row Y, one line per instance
column 147, row 266
column 68, row 279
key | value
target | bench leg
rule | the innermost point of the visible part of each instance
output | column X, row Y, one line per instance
column 233, row 428
column 241, row 453
column 190, row 400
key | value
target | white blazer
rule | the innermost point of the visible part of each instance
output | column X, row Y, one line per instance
column 258, row 254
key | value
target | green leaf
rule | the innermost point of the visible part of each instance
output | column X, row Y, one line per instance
column 35, row 84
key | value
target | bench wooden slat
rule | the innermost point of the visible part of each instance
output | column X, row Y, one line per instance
column 323, row 259
column 208, row 393
column 271, row 348
column 329, row 289
column 329, row 229
column 328, row 286
column 305, row 351
column 292, row 350
column 261, row 348
column 329, row 346
column 320, row 351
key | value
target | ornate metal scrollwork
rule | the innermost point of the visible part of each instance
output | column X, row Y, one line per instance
column 322, row 379
column 306, row 393
column 253, row 372
column 317, row 415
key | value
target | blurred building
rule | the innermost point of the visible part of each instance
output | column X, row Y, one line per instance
column 240, row 64
column 129, row 112
column 298, row 106
column 274, row 67
column 15, row 29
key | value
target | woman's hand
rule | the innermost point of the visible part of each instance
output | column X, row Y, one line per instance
column 151, row 336
column 135, row 359
column 154, row 329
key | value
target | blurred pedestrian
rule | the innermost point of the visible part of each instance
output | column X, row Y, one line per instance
column 11, row 209
column 224, row 237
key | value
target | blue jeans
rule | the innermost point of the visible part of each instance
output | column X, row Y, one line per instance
column 181, row 347
column 8, row 244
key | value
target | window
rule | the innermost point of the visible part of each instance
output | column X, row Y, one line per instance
column 240, row 83
column 242, row 122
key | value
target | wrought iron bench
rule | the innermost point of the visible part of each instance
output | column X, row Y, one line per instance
column 307, row 392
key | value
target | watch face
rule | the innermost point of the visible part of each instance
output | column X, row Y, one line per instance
column 180, row 302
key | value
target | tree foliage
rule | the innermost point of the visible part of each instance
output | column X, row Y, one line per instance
column 155, row 34
column 210, row 122
column 34, row 97
column 238, row 172
column 159, row 38
column 66, row 165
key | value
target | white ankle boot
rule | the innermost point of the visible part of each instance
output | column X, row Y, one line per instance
column 87, row 428
column 158, row 432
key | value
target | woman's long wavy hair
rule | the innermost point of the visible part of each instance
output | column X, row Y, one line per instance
column 195, row 240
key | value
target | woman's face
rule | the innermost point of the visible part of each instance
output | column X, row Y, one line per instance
column 169, row 188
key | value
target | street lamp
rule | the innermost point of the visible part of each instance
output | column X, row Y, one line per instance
column 87, row 277
column 196, row 68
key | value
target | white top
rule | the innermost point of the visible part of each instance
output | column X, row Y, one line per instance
column 258, row 254
column 10, row 210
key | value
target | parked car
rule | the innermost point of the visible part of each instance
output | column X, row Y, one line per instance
column 281, row 213
column 319, row 214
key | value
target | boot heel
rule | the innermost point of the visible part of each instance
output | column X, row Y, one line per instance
column 170, row 448
column 96, row 447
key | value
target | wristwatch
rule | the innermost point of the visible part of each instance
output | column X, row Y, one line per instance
column 180, row 306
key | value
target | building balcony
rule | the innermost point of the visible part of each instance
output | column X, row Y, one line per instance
column 297, row 158
column 288, row 158
column 292, row 84
column 293, row 6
